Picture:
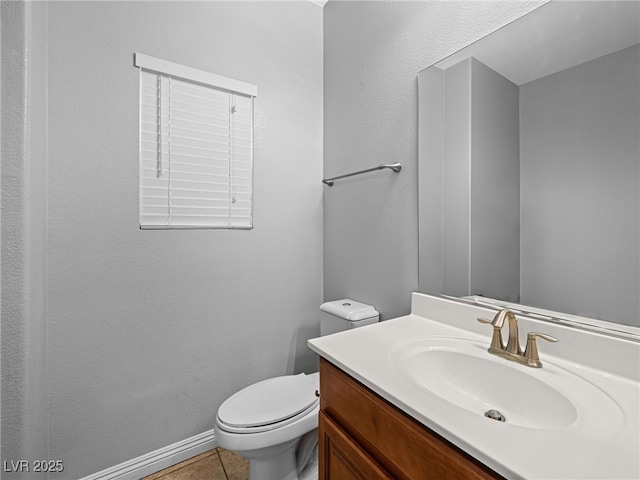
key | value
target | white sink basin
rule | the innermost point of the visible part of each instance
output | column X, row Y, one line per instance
column 462, row 373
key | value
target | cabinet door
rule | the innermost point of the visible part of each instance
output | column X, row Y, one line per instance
column 341, row 458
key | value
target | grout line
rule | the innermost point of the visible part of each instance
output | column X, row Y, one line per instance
column 222, row 463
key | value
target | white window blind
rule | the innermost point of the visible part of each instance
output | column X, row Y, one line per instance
column 196, row 148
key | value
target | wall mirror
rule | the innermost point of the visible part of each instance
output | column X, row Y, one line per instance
column 529, row 165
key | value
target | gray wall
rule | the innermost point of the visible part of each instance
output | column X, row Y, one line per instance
column 149, row 331
column 23, row 261
column 373, row 52
column 580, row 189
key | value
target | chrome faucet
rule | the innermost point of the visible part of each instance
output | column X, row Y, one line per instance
column 513, row 351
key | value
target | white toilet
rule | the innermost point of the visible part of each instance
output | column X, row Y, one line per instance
column 274, row 423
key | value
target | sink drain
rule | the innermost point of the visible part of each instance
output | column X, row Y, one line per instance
column 495, row 415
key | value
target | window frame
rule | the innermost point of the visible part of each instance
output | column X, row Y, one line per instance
column 228, row 86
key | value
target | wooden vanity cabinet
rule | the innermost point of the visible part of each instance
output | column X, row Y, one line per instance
column 364, row 437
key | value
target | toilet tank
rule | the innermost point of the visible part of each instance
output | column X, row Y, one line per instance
column 345, row 314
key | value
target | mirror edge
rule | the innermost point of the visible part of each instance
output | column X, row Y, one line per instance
column 621, row 331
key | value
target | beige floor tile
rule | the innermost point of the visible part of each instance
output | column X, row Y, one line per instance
column 236, row 467
column 209, row 468
column 206, row 466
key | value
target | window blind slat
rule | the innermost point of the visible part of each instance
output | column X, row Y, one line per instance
column 209, row 192
column 204, row 178
column 198, row 152
column 197, row 113
column 203, row 160
column 214, row 211
column 207, row 187
column 198, row 184
column 193, row 217
column 201, row 203
column 211, row 198
column 209, row 170
column 195, row 143
column 212, row 135
column 199, row 222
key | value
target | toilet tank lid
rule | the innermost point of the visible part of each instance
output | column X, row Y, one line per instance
column 349, row 309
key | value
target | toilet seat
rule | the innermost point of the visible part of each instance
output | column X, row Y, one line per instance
column 269, row 404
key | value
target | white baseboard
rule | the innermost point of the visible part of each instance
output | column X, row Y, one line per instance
column 158, row 460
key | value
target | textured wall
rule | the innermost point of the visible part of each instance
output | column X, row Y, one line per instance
column 149, row 331
column 373, row 53
column 580, row 189
column 23, row 186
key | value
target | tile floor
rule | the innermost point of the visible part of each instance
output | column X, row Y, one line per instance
column 216, row 464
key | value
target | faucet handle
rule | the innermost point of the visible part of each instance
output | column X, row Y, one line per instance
column 531, row 350
column 497, row 345
column 548, row 338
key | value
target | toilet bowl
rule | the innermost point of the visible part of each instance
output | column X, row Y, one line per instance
column 274, row 423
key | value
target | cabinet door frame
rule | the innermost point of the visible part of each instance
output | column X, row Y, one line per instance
column 341, row 458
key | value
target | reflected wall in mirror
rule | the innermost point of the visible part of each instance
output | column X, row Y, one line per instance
column 529, row 163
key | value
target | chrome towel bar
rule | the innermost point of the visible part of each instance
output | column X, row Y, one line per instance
column 396, row 167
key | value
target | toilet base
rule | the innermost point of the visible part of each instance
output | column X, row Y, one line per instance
column 311, row 471
column 280, row 462
column 277, row 462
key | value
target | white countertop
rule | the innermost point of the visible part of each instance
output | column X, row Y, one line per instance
column 513, row 451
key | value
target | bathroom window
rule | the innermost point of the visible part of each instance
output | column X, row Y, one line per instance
column 196, row 148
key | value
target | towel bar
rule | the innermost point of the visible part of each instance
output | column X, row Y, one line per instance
column 396, row 167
